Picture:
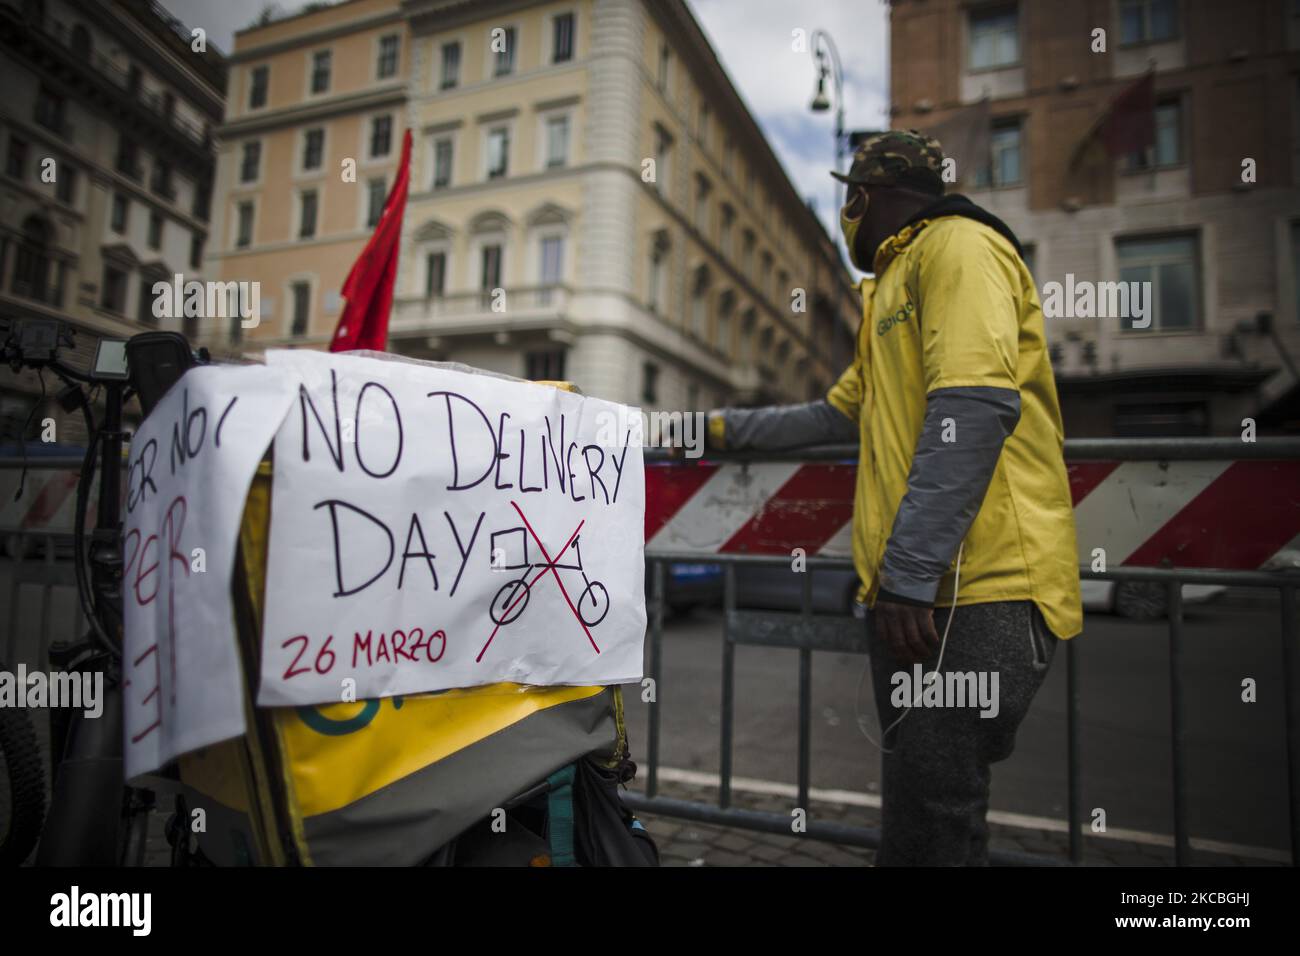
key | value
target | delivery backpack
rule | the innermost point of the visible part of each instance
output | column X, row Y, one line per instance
column 573, row 818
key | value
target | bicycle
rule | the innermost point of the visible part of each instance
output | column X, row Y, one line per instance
column 93, row 818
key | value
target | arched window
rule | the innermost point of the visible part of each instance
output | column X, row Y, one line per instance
column 32, row 265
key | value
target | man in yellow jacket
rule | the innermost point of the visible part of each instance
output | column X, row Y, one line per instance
column 961, row 487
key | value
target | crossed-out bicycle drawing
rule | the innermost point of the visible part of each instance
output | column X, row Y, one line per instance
column 512, row 597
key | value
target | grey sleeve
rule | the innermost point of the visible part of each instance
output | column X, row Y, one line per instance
column 777, row 427
column 946, row 486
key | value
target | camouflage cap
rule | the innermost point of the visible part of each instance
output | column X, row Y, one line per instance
column 897, row 157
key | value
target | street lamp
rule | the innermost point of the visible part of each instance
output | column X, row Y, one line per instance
column 828, row 64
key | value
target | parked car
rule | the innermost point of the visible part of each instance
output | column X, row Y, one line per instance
column 1140, row 600
column 687, row 586
column 775, row 587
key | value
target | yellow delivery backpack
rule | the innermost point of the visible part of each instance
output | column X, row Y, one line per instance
column 386, row 781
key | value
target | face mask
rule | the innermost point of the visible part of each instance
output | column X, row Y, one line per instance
column 851, row 216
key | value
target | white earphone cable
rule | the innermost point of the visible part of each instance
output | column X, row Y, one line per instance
column 943, row 644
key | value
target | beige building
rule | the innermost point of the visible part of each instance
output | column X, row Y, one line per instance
column 590, row 199
column 107, row 172
column 308, row 150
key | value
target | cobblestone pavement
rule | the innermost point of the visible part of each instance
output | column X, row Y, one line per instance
column 687, row 843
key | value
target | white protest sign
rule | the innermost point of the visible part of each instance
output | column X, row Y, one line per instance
column 433, row 529
column 191, row 464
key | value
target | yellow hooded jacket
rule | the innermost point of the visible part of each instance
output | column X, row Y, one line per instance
column 954, row 306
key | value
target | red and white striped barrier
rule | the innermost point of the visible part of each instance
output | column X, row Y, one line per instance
column 48, row 502
column 1233, row 515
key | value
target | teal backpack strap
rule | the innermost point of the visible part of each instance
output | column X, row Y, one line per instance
column 560, row 812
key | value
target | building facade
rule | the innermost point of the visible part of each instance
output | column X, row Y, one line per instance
column 590, row 199
column 306, row 155
column 105, row 134
column 1209, row 215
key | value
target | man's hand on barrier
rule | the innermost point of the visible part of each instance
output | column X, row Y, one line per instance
column 907, row 629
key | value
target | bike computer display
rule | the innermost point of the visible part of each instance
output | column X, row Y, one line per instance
column 110, row 361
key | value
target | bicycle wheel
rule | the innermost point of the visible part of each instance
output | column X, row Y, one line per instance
column 22, row 787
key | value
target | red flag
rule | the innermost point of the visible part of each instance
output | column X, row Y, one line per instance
column 1129, row 123
column 369, row 286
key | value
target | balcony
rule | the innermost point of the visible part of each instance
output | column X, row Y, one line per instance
column 54, row 49
column 470, row 313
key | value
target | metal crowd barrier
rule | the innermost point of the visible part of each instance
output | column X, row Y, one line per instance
column 807, row 632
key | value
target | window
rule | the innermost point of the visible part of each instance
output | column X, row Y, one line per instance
column 498, row 152
column 649, row 383
column 113, row 294
column 50, row 110
column 118, row 218
column 155, row 230
column 161, row 180
column 702, row 190
column 994, row 38
column 702, row 130
column 144, row 305
column 551, row 260
column 196, row 251
column 665, row 66
column 313, row 149
column 700, row 302
column 724, row 229
column 747, row 252
column 442, row 163
column 32, row 266
column 546, row 366
column 1147, row 21
column 726, row 305
column 663, row 159
column 557, row 142
column 562, row 38
column 435, row 275
column 307, row 202
column 450, row 66
column 377, row 192
column 381, row 135
column 389, row 48
column 503, row 47
column 128, row 160
column 244, row 234
column 16, row 159
column 489, row 272
column 202, row 200
column 1004, row 156
column 1168, row 147
column 655, row 274
column 66, row 186
column 320, row 71
column 258, row 80
column 300, row 292
column 1171, row 266
column 248, row 167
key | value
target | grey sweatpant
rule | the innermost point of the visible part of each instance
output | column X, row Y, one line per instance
column 935, row 783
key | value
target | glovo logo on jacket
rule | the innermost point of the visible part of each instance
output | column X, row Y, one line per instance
column 889, row 321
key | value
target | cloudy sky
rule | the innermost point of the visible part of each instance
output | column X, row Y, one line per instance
column 754, row 40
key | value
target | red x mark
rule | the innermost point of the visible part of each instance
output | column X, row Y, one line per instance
column 549, row 566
